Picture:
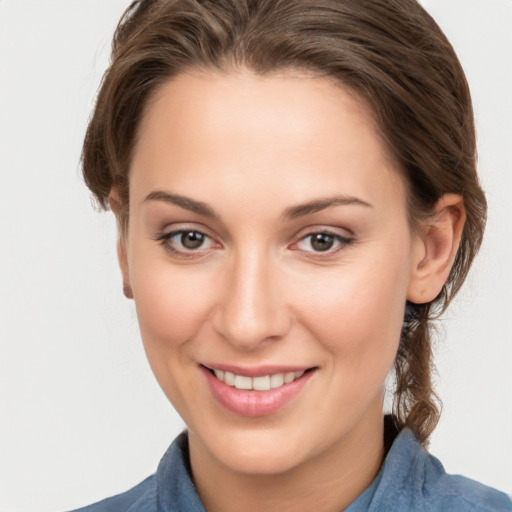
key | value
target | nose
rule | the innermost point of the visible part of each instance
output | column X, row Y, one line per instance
column 252, row 309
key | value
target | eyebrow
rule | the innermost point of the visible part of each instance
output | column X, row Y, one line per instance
column 322, row 204
column 182, row 201
column 293, row 212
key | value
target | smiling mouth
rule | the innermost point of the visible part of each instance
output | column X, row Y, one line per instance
column 257, row 391
column 260, row 383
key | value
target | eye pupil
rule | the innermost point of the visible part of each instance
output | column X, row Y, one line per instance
column 322, row 242
column 192, row 239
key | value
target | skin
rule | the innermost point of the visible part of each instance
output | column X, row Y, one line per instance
column 257, row 292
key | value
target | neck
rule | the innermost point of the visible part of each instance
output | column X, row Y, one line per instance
column 327, row 483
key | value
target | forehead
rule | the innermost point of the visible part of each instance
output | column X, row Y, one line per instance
column 235, row 133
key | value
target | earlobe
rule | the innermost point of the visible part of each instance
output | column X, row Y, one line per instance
column 436, row 249
column 116, row 206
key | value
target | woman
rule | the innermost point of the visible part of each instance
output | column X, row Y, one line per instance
column 295, row 189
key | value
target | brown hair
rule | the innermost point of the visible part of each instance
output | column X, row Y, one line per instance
column 390, row 52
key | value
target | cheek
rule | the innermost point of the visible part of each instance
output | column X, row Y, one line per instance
column 171, row 302
column 357, row 311
column 171, row 307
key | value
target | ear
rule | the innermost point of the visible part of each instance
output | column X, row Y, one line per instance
column 117, row 206
column 436, row 249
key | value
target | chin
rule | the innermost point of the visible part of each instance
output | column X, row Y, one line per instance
column 261, row 461
column 264, row 451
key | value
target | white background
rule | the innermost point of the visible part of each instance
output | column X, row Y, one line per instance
column 81, row 416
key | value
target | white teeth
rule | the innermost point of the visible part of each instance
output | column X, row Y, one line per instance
column 242, row 382
column 263, row 383
column 289, row 377
column 277, row 380
column 229, row 378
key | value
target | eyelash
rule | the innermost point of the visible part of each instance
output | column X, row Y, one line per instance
column 165, row 240
column 337, row 239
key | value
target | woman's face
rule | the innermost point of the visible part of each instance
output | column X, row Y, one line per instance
column 267, row 237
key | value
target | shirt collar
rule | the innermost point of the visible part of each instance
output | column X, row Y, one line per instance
column 176, row 491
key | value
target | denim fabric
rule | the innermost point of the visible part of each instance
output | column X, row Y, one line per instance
column 409, row 480
column 413, row 480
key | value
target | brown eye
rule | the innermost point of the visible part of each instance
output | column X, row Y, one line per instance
column 322, row 242
column 192, row 239
column 187, row 242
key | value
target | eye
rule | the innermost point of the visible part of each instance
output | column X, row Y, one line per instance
column 191, row 239
column 322, row 242
column 186, row 241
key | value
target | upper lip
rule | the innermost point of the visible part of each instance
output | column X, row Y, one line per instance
column 256, row 371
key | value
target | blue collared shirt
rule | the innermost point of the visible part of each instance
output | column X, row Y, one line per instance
column 410, row 480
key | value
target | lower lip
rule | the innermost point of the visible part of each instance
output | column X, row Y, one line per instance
column 254, row 403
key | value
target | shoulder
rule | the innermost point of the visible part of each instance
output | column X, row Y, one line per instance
column 171, row 487
column 419, row 481
column 141, row 498
column 455, row 492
